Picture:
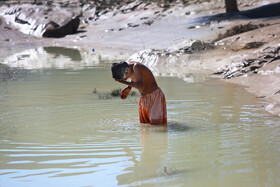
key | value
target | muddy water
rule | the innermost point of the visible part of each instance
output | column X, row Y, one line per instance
column 54, row 131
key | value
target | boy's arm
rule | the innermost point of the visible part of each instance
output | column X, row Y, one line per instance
column 138, row 84
column 128, row 87
column 125, row 92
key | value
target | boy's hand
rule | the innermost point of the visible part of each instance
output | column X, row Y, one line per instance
column 125, row 92
column 120, row 80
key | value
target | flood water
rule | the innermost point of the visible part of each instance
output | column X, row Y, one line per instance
column 58, row 129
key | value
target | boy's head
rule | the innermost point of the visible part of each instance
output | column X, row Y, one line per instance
column 118, row 70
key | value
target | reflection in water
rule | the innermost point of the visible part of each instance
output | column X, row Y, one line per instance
column 73, row 54
column 55, row 132
column 154, row 143
column 186, row 74
column 51, row 57
column 73, row 58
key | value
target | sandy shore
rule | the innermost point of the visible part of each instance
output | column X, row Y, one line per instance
column 249, row 58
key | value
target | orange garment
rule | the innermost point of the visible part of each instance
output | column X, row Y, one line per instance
column 152, row 108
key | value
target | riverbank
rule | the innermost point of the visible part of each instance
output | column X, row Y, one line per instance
column 235, row 48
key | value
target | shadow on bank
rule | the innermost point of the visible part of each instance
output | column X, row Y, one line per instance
column 266, row 11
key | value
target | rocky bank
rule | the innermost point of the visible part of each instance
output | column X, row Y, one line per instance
column 241, row 48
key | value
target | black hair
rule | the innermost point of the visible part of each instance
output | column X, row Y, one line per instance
column 118, row 70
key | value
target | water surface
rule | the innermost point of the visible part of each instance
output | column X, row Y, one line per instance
column 54, row 131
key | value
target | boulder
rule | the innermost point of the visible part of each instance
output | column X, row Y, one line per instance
column 53, row 30
column 273, row 108
column 39, row 20
column 197, row 45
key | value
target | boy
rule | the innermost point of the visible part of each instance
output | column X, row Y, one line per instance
column 152, row 103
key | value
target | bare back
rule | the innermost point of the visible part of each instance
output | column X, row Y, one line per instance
column 144, row 73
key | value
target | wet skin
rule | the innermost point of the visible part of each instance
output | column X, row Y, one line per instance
column 141, row 78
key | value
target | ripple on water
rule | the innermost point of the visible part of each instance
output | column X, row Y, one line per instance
column 63, row 159
column 69, row 134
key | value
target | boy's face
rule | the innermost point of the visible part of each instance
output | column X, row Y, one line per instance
column 127, row 74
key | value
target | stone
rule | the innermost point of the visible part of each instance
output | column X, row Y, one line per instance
column 53, row 30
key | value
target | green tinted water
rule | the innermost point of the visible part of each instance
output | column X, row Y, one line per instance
column 54, row 131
